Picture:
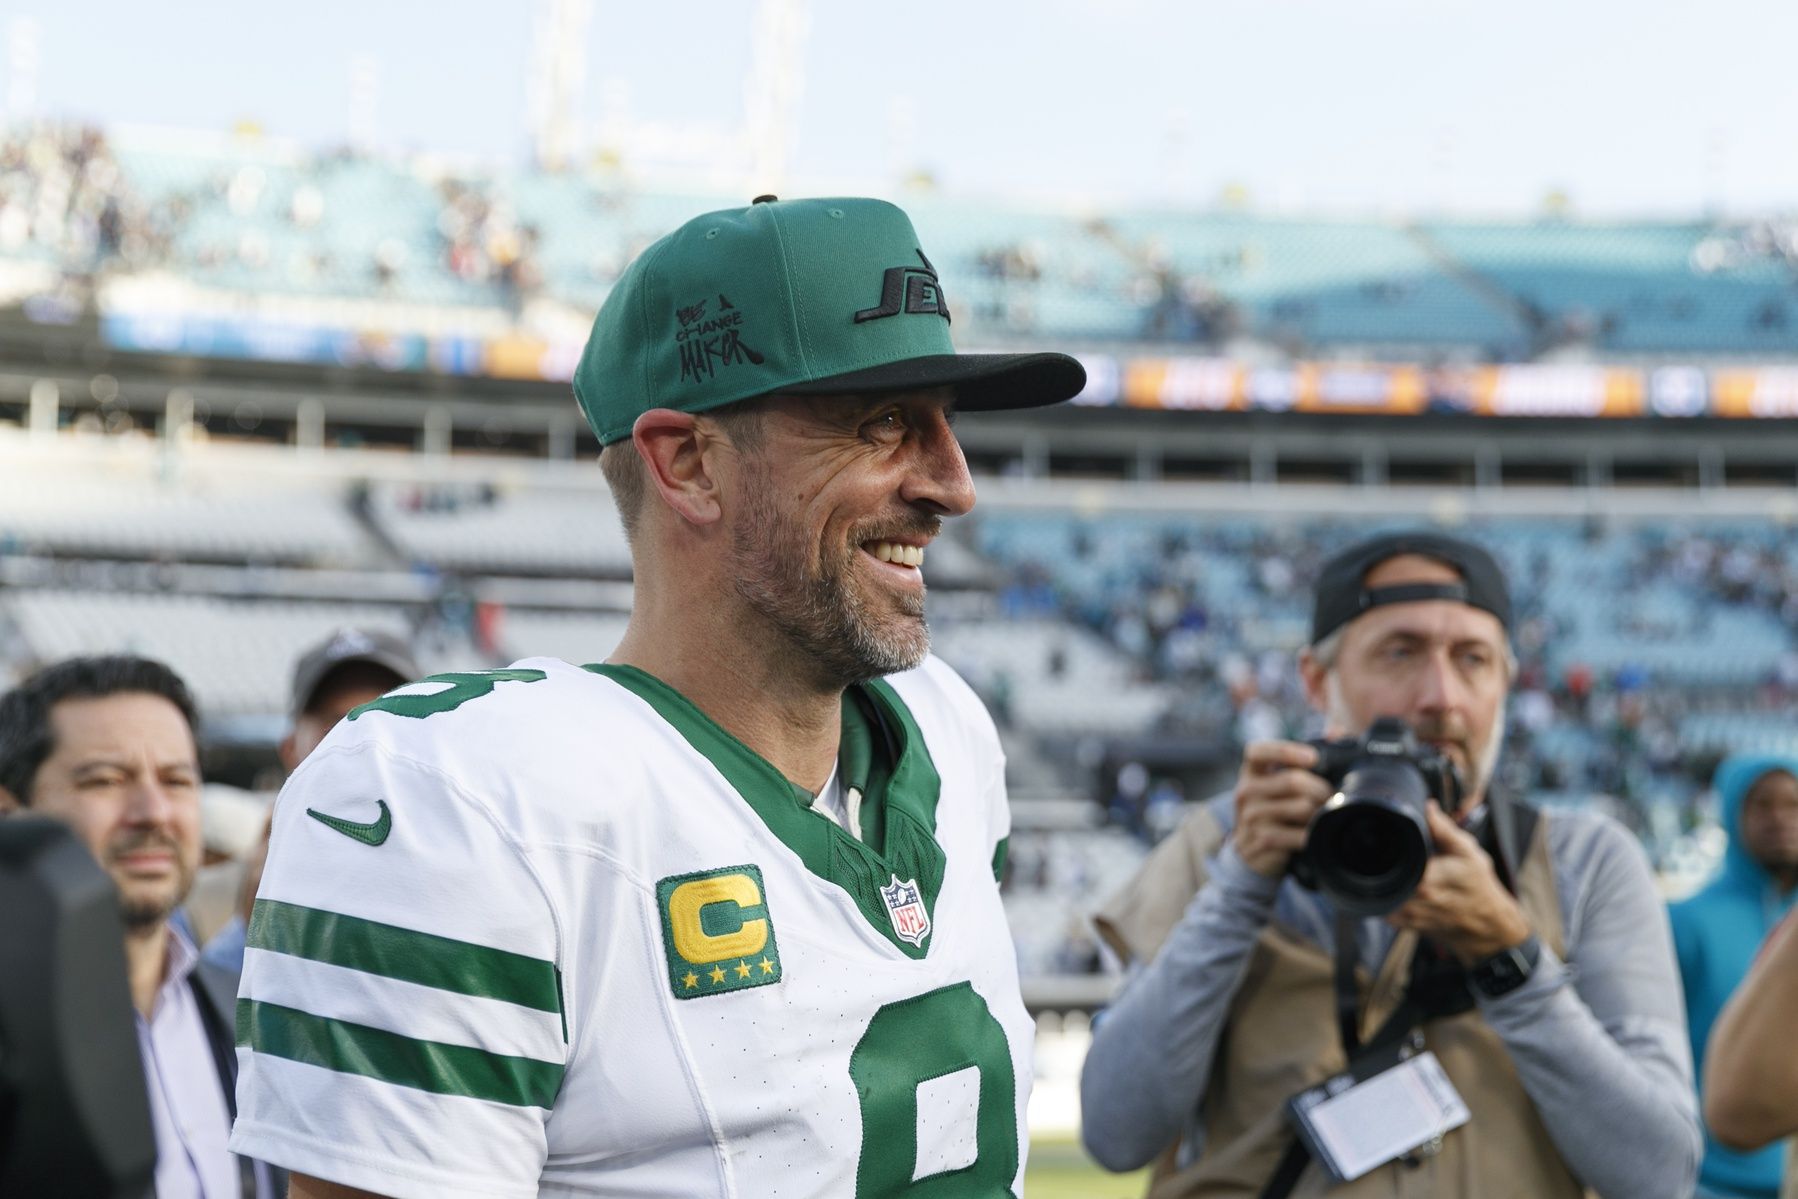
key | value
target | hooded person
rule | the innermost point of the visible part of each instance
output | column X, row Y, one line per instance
column 1718, row 932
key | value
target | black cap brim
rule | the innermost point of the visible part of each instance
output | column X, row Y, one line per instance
column 982, row 382
column 1342, row 593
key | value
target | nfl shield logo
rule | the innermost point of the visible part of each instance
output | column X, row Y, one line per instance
column 906, row 907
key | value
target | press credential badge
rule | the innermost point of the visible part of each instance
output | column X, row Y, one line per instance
column 1353, row 1127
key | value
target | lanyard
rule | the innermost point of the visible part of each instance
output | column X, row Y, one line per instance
column 1438, row 984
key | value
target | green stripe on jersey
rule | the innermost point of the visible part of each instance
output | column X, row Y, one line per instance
column 389, row 1057
column 394, row 952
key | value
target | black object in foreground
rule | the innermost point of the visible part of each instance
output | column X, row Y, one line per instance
column 1367, row 847
column 74, row 1115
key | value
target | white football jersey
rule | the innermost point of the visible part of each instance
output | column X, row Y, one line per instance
column 549, row 930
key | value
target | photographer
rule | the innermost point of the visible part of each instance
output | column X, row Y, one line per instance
column 1531, row 966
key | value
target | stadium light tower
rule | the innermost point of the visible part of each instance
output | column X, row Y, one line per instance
column 776, row 79
column 558, row 75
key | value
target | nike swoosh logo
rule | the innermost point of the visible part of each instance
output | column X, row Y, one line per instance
column 372, row 833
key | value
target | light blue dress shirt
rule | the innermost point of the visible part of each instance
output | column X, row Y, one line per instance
column 187, row 1103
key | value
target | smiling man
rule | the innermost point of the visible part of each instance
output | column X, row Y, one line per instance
column 1533, row 960
column 718, row 916
column 106, row 745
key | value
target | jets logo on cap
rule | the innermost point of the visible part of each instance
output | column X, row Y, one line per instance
column 908, row 289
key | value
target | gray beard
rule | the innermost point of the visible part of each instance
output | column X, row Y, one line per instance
column 818, row 611
column 1480, row 771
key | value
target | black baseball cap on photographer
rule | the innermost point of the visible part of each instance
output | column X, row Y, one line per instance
column 1343, row 594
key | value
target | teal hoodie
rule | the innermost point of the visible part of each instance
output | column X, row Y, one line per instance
column 1717, row 933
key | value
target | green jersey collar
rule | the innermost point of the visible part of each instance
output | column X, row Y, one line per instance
column 882, row 751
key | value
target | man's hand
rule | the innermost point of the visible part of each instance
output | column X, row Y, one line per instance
column 1751, row 1066
column 1276, row 796
column 1460, row 903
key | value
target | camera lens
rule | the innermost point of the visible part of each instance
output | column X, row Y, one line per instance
column 1368, row 847
column 1364, row 850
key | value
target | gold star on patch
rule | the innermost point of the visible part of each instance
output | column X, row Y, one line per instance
column 691, row 981
column 742, row 969
column 767, row 966
column 717, row 974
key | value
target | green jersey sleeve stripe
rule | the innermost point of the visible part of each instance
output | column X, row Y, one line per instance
column 391, row 1058
column 402, row 953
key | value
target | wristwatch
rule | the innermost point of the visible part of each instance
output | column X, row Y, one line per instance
column 1507, row 969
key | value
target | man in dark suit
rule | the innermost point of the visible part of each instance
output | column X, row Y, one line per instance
column 107, row 746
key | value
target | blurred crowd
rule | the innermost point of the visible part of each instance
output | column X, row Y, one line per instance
column 65, row 197
column 485, row 242
column 410, row 228
column 62, row 192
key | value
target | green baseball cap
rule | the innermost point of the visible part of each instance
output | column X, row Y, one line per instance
column 800, row 296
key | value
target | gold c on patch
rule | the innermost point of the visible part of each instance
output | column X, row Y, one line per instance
column 717, row 932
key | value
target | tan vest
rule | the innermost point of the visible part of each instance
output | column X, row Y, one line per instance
column 1281, row 1037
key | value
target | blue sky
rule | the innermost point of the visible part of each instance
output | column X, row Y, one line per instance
column 1376, row 105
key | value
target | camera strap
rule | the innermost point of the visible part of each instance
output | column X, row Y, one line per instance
column 1438, row 984
column 1348, row 1002
column 1513, row 828
column 1430, row 993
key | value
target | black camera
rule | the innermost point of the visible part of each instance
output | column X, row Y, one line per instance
column 1367, row 847
column 74, row 1114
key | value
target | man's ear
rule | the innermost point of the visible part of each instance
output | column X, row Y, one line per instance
column 1314, row 675
column 674, row 450
column 285, row 751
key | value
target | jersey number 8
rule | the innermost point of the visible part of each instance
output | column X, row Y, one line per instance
column 909, row 1044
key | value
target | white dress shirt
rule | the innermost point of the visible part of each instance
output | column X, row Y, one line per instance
column 187, row 1101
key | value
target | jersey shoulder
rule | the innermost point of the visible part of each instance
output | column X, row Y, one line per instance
column 933, row 691
column 962, row 741
column 529, row 739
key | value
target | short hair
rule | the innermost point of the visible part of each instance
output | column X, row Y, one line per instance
column 624, row 469
column 625, row 476
column 25, row 737
column 1329, row 649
